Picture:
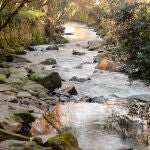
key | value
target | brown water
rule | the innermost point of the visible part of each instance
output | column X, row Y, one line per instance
column 93, row 124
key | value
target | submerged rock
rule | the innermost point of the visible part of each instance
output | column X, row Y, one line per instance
column 77, row 53
column 99, row 100
column 49, row 61
column 74, row 78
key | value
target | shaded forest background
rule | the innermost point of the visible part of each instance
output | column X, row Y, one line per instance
column 123, row 25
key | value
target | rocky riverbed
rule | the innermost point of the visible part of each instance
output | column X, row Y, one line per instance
column 54, row 89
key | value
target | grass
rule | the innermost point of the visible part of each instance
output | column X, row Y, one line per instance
column 33, row 13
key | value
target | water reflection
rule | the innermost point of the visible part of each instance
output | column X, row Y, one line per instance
column 98, row 126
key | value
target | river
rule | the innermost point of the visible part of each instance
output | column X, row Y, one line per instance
column 91, row 122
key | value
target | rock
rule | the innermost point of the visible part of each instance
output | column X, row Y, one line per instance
column 64, row 141
column 50, row 80
column 5, row 135
column 70, row 90
column 17, row 76
column 38, row 140
column 55, row 66
column 23, row 95
column 35, row 89
column 106, row 65
column 49, row 61
column 9, row 58
column 142, row 98
column 99, row 100
column 23, row 116
column 74, row 78
column 63, row 98
column 68, row 33
column 79, row 66
column 30, row 48
column 4, row 64
column 101, row 56
column 19, row 59
column 52, row 47
column 21, row 145
column 100, row 51
column 85, row 46
column 77, row 53
column 20, row 52
column 10, row 125
column 94, row 45
column 2, row 78
column 5, row 87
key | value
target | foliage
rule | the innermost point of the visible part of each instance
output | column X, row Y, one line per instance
column 30, row 22
column 127, row 24
column 133, row 22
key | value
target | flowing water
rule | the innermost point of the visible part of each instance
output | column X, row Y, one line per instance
column 91, row 122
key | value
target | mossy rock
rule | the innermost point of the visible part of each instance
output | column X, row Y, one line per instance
column 20, row 59
column 38, row 140
column 4, row 64
column 64, row 141
column 50, row 80
column 35, row 89
column 4, row 74
column 5, row 135
column 23, row 116
column 17, row 76
column 2, row 78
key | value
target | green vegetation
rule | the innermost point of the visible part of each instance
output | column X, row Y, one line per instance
column 65, row 140
column 126, row 25
column 30, row 22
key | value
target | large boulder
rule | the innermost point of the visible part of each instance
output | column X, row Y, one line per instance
column 106, row 65
column 64, row 141
column 50, row 80
column 49, row 61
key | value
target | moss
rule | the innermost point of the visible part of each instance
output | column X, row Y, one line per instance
column 64, row 141
column 23, row 116
column 2, row 78
column 4, row 135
